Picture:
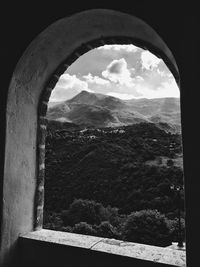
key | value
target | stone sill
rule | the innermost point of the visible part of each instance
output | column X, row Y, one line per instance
column 133, row 250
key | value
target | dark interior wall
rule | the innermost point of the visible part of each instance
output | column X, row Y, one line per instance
column 174, row 21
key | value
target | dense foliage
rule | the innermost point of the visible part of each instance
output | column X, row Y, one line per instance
column 144, row 226
column 148, row 227
column 130, row 168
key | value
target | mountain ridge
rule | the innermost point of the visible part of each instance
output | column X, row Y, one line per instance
column 99, row 110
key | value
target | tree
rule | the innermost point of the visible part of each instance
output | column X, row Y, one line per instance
column 111, row 215
column 174, row 229
column 81, row 210
column 147, row 227
column 84, row 228
column 105, row 229
column 52, row 220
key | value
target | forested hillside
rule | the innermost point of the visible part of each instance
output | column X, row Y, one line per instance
column 130, row 168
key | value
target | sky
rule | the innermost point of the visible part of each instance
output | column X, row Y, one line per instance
column 122, row 71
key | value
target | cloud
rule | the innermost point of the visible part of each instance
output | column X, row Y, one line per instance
column 69, row 81
column 126, row 48
column 114, row 70
column 161, row 73
column 138, row 79
column 121, row 95
column 95, row 79
column 149, row 60
column 67, row 87
column 166, row 89
column 118, row 72
column 110, row 87
column 169, row 89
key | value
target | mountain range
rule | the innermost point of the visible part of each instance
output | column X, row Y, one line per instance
column 99, row 110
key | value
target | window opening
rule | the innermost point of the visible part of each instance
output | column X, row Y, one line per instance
column 114, row 160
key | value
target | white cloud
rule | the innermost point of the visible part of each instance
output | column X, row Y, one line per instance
column 118, row 72
column 119, row 79
column 121, row 95
column 115, row 84
column 95, row 79
column 165, row 73
column 69, row 81
column 139, row 79
column 161, row 73
column 127, row 48
column 169, row 89
column 149, row 60
column 67, row 87
column 132, row 71
column 166, row 89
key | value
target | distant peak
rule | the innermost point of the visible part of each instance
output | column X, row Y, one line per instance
column 84, row 97
column 85, row 92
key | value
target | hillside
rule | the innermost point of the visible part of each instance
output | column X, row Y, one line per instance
column 98, row 110
column 125, row 167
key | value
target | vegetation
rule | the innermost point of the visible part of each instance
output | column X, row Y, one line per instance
column 103, row 181
column 144, row 226
column 148, row 227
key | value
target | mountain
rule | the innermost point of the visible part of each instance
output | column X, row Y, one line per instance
column 53, row 103
column 84, row 97
column 98, row 110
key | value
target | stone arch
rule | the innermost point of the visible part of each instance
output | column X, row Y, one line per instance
column 35, row 75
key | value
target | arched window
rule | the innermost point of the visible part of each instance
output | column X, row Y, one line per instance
column 48, row 56
column 114, row 138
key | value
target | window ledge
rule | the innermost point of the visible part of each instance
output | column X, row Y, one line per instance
column 155, row 254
